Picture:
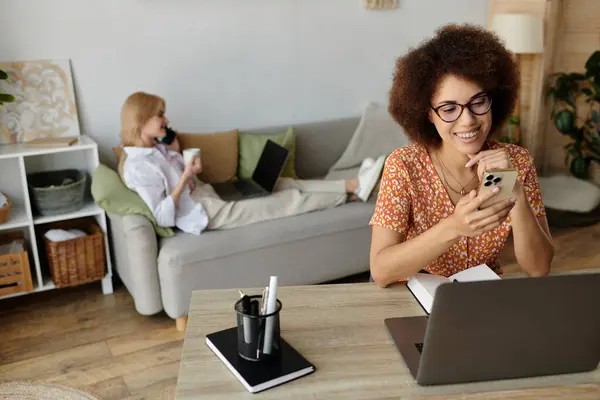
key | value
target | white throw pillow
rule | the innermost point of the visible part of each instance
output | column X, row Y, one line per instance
column 567, row 193
column 377, row 134
column 3, row 200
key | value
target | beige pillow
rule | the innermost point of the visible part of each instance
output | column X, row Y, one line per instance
column 219, row 153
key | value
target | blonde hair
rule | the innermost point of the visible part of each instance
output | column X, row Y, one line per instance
column 136, row 111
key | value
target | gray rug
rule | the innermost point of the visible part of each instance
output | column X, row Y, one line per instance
column 33, row 390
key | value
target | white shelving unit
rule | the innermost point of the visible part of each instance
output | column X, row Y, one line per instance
column 19, row 160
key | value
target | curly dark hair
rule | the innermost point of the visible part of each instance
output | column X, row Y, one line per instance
column 467, row 51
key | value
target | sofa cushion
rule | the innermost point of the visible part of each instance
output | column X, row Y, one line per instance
column 251, row 146
column 110, row 193
column 557, row 193
column 377, row 134
column 190, row 249
column 219, row 154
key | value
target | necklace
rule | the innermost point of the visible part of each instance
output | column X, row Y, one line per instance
column 462, row 191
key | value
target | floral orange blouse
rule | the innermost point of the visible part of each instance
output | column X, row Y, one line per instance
column 412, row 199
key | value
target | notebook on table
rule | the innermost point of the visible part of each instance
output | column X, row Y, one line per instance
column 262, row 375
column 423, row 286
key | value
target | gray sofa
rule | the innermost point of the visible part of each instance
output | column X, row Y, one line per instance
column 160, row 273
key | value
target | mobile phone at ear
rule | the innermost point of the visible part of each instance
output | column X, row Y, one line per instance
column 168, row 139
column 505, row 179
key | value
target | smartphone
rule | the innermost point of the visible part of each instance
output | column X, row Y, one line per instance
column 505, row 179
column 168, row 139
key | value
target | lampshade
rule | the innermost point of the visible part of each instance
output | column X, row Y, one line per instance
column 522, row 33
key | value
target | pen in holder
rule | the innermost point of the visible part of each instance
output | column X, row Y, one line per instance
column 253, row 330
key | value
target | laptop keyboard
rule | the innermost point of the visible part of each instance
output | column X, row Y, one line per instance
column 419, row 347
column 248, row 188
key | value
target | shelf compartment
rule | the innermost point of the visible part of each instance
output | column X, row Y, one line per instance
column 17, row 218
column 15, row 269
column 23, row 149
column 89, row 209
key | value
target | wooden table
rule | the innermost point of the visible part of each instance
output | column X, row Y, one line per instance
column 340, row 329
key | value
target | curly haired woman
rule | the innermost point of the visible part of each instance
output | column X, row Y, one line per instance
column 451, row 95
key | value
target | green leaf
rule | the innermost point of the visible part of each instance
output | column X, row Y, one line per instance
column 564, row 121
column 574, row 76
column 3, row 75
column 514, row 120
column 6, row 98
column 571, row 99
column 562, row 87
column 595, row 152
column 592, row 66
column 579, row 167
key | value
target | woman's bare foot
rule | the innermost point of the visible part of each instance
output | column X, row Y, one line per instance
column 352, row 185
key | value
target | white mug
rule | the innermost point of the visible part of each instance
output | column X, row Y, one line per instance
column 189, row 154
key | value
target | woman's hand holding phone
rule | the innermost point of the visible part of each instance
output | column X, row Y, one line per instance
column 494, row 169
column 488, row 160
column 468, row 220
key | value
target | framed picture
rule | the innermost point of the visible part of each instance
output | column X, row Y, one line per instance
column 380, row 4
column 44, row 105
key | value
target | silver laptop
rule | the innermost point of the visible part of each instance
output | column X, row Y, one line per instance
column 501, row 329
column 265, row 176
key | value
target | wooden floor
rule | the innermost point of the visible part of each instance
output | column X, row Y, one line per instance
column 80, row 338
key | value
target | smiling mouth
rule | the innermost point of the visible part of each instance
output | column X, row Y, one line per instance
column 468, row 134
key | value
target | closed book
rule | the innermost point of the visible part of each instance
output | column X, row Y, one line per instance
column 257, row 376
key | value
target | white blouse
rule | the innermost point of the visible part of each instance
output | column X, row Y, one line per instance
column 153, row 172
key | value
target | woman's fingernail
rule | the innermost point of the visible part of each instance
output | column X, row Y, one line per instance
column 467, row 165
column 496, row 189
column 513, row 199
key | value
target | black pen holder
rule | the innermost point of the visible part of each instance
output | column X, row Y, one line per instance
column 258, row 335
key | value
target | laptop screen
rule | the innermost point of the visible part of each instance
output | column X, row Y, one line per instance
column 270, row 165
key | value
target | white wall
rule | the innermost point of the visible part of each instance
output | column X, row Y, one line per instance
column 223, row 64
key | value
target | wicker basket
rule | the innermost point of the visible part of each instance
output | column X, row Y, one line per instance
column 50, row 196
column 15, row 273
column 5, row 211
column 76, row 261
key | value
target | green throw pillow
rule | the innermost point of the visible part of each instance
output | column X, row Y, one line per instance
column 110, row 193
column 251, row 147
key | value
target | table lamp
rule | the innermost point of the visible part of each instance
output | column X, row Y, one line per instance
column 522, row 34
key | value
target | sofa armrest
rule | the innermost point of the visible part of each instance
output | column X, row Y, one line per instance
column 135, row 248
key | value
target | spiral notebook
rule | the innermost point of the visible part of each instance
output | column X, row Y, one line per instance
column 258, row 376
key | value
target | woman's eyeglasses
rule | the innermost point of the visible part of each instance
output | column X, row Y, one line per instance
column 452, row 111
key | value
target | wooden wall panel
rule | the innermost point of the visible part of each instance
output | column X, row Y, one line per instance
column 532, row 74
column 572, row 33
column 578, row 37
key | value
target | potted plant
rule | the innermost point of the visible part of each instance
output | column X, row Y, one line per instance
column 4, row 97
column 513, row 131
column 576, row 114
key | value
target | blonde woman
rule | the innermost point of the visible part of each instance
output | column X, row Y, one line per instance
column 179, row 199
